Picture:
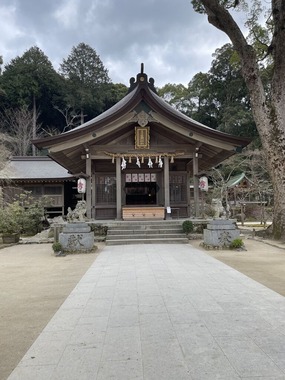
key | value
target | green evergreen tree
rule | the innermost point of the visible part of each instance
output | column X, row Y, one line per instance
column 86, row 80
column 30, row 81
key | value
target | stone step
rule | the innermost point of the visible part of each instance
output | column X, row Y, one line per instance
column 145, row 231
column 148, row 241
column 127, row 225
column 144, row 236
column 145, row 227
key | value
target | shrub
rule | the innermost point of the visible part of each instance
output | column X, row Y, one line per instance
column 57, row 247
column 10, row 219
column 236, row 243
column 187, row 226
column 24, row 214
column 99, row 229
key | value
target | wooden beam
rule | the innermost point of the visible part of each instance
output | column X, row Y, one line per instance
column 154, row 148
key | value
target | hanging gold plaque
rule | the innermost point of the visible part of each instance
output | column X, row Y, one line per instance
column 141, row 137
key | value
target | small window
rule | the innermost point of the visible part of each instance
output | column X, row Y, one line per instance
column 52, row 190
column 35, row 190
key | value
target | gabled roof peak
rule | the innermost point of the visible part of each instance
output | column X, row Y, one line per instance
column 142, row 80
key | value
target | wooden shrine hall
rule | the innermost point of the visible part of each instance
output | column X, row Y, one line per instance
column 140, row 156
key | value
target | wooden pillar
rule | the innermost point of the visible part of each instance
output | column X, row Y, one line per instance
column 188, row 192
column 88, row 185
column 166, row 187
column 119, row 188
column 93, row 213
column 196, row 185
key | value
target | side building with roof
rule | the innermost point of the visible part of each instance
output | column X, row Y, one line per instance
column 41, row 176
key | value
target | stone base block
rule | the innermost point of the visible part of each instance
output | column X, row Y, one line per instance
column 220, row 238
column 76, row 237
column 220, row 233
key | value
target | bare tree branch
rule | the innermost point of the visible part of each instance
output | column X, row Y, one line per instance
column 19, row 126
column 72, row 119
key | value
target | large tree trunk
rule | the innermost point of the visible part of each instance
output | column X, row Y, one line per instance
column 268, row 113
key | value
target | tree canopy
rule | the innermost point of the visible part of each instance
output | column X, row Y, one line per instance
column 31, row 81
column 218, row 98
column 81, row 87
column 86, row 77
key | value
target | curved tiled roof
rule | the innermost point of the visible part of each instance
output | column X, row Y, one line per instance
column 142, row 90
column 68, row 148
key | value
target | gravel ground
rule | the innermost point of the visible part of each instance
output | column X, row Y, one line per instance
column 34, row 283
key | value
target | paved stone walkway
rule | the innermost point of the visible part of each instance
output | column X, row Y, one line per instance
column 161, row 312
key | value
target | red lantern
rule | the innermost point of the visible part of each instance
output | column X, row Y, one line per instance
column 203, row 184
column 81, row 186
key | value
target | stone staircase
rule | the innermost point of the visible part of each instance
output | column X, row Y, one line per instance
column 146, row 232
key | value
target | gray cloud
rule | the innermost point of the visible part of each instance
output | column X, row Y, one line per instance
column 168, row 36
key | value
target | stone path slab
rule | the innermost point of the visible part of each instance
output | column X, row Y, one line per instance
column 164, row 312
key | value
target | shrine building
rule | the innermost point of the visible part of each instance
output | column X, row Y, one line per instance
column 139, row 157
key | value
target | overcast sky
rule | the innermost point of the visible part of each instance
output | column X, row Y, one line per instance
column 173, row 41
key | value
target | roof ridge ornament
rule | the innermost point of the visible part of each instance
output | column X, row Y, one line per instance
column 142, row 80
